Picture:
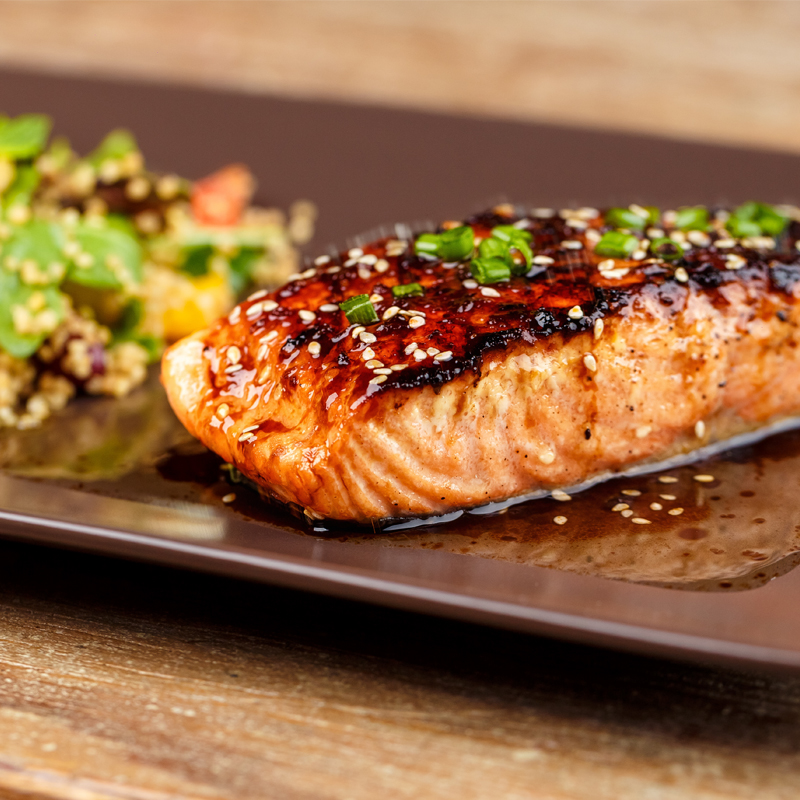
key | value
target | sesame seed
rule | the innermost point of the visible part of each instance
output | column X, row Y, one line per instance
column 258, row 295
column 724, row 244
column 333, row 270
column 655, row 233
column 577, row 224
column 247, row 437
column 254, row 311
column 598, row 328
column 375, row 299
column 233, row 368
column 383, row 371
column 357, row 330
column 234, row 354
column 733, row 261
column 656, row 506
column 593, row 236
column 704, row 478
column 641, row 521
column 469, row 284
column 233, row 317
column 590, row 362
column 367, row 337
column 410, row 348
column 370, row 259
column 699, row 238
column 700, row 429
column 639, row 211
column 620, row 507
column 607, row 264
column 374, row 364
column 269, row 337
column 432, row 351
column 445, row 356
column 638, row 255
column 368, row 354
column 559, row 520
column 560, row 495
column 675, row 512
column 681, row 275
column 315, row 348
column 381, row 265
column 306, row 316
column 627, row 512
column 631, row 492
column 542, row 213
column 667, row 496
column 269, row 305
column 321, row 260
column 407, row 313
column 576, row 312
column 355, row 252
column 543, row 261
column 378, row 379
column 222, row 410
column 416, row 322
column 364, row 273
column 398, row 367
column 614, row 274
column 587, row 212
column 642, row 431
column 390, row 312
column 229, row 498
column 487, row 291
column 420, row 355
column 351, row 262
column 572, row 244
column 250, row 428
column 309, row 273
column 328, row 308
column 667, row 479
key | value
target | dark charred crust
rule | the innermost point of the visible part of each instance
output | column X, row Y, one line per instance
column 458, row 324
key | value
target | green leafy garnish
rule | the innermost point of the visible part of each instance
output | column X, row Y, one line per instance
column 24, row 136
column 489, row 270
column 408, row 290
column 115, row 146
column 666, row 248
column 20, row 192
column 615, row 244
column 691, row 218
column 109, row 257
column 242, row 265
column 625, row 218
column 359, row 310
column 28, row 314
column 40, row 242
column 756, row 219
column 455, row 244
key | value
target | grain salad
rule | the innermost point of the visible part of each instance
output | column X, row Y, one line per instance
column 103, row 262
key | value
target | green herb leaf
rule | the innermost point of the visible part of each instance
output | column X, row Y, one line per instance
column 37, row 241
column 489, row 270
column 26, row 321
column 456, row 244
column 625, row 218
column 195, row 260
column 666, row 248
column 692, row 218
column 113, row 258
column 242, row 265
column 408, row 290
column 359, row 310
column 24, row 136
column 21, row 190
column 115, row 146
column 616, row 245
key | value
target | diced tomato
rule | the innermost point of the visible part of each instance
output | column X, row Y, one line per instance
column 221, row 198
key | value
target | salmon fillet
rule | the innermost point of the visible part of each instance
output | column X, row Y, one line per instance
column 471, row 393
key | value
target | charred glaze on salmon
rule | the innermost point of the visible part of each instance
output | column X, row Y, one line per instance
column 583, row 344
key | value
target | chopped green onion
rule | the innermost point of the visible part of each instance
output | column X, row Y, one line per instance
column 359, row 310
column 408, row 290
column 616, row 245
column 653, row 215
column 754, row 219
column 24, row 136
column 692, row 219
column 456, row 244
column 426, row 244
column 625, row 218
column 508, row 233
column 666, row 248
column 522, row 247
column 494, row 248
column 489, row 270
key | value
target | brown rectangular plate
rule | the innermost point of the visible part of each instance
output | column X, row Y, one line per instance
column 123, row 478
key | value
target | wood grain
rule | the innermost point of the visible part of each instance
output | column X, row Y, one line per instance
column 120, row 680
column 725, row 71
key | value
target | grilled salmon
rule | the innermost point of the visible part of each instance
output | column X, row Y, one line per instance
column 501, row 355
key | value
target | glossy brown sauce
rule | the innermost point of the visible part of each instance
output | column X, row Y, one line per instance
column 736, row 532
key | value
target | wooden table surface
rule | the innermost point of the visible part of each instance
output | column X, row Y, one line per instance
column 121, row 680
